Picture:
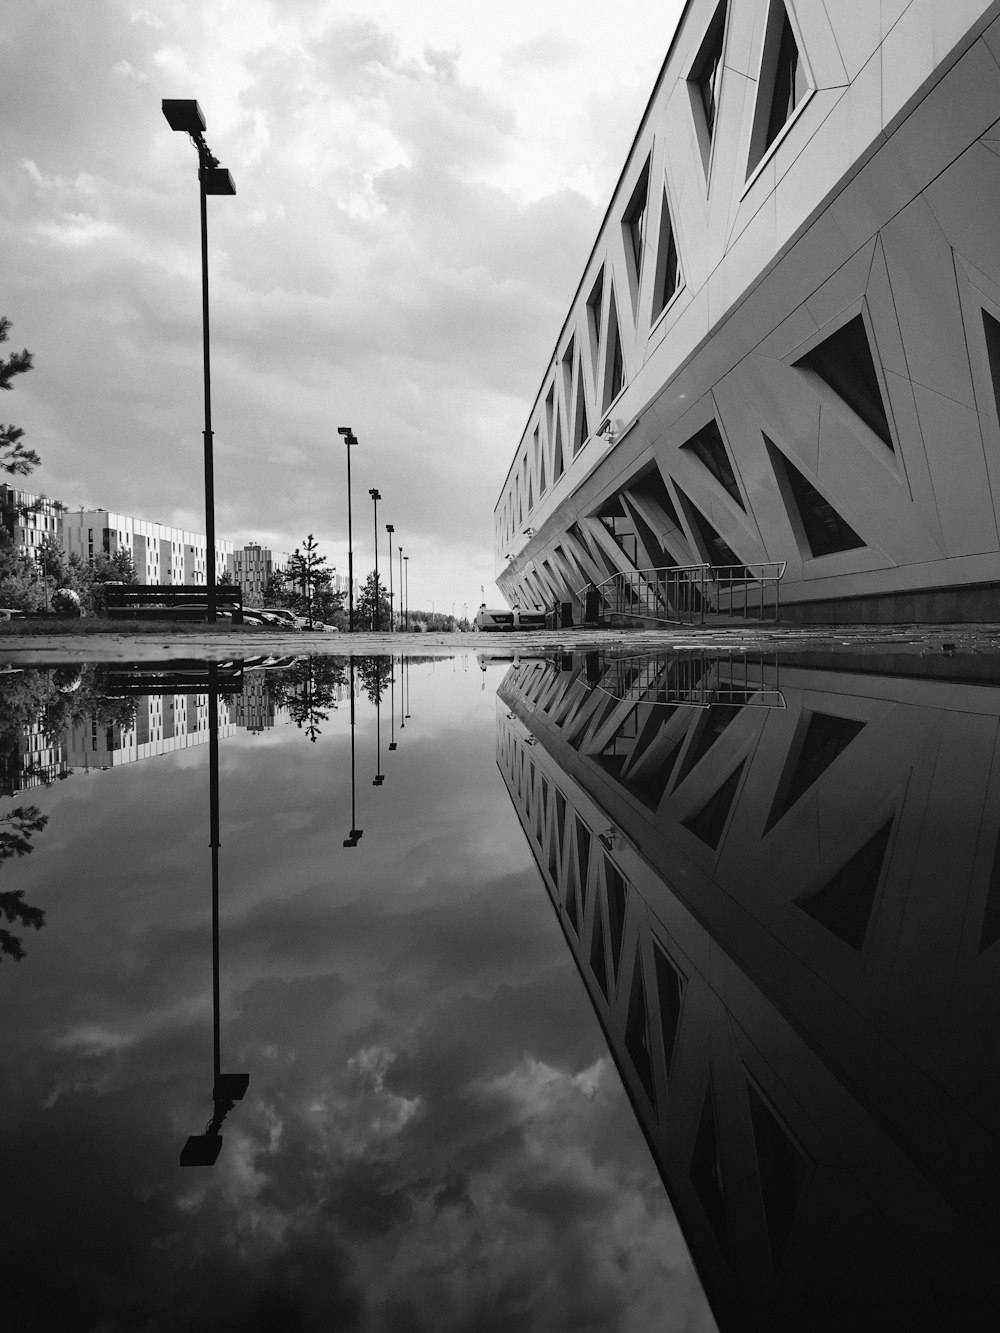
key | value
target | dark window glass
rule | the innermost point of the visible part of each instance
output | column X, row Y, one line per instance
column 617, row 900
column 844, row 904
column 709, row 446
column 845, row 362
column 826, row 532
column 668, row 271
column 710, row 820
column 782, row 1169
column 789, row 83
column 637, row 1041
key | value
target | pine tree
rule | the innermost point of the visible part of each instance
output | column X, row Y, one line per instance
column 14, row 457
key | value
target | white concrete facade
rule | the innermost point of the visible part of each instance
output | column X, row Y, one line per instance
column 160, row 554
column 786, row 342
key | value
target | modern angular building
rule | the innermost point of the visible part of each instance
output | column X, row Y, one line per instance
column 785, row 345
column 780, row 883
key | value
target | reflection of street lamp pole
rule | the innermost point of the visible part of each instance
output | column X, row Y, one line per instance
column 379, row 777
column 392, row 710
column 350, row 439
column 203, row 1149
column 390, row 530
column 375, row 610
column 185, row 115
column 356, row 832
column 406, row 567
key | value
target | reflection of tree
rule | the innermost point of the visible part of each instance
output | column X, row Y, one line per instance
column 53, row 701
column 374, row 674
column 308, row 688
column 17, row 828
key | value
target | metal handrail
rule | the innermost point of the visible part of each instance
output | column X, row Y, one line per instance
column 685, row 594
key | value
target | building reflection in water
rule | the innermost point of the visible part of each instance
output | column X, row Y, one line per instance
column 782, row 892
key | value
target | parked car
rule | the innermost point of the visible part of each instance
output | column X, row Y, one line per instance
column 278, row 615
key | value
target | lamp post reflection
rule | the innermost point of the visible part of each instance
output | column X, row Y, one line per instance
column 355, row 834
column 379, row 777
column 392, row 702
column 227, row 1089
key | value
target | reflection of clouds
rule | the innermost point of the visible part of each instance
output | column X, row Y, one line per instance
column 433, row 1137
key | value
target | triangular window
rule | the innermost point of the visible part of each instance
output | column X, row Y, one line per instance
column 716, row 550
column 709, row 446
column 598, row 965
column 782, row 1172
column 558, row 467
column 844, row 361
column 669, row 993
column 531, row 496
column 581, row 426
column 583, row 859
column 637, row 1041
column 617, row 900
column 710, row 726
column 825, row 530
column 826, row 738
column 705, row 82
column 634, row 227
column 844, row 904
column 710, row 820
column 706, row 1171
column 614, row 372
column 668, row 269
column 783, row 83
column 595, row 313
column 990, row 931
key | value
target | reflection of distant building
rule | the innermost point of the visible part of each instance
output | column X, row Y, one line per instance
column 38, row 760
column 787, row 921
column 255, row 709
column 163, row 724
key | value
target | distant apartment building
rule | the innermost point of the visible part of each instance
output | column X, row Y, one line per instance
column 30, row 519
column 160, row 554
column 253, row 566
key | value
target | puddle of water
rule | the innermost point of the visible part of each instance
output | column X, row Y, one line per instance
column 294, row 1027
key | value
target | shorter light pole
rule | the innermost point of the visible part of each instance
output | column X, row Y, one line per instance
column 400, row 549
column 406, row 568
column 375, row 608
column 390, row 530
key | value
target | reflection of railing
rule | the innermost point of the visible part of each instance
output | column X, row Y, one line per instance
column 696, row 679
column 687, row 594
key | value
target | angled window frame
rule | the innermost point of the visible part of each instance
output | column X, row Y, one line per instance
column 635, row 231
column 614, row 378
column 666, row 240
column 758, row 152
column 890, row 455
column 714, row 36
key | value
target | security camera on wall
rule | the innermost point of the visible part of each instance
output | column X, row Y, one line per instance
column 612, row 429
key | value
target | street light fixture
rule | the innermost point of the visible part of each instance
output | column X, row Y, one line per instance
column 350, row 439
column 390, row 530
column 401, row 557
column 375, row 608
column 184, row 115
column 406, row 567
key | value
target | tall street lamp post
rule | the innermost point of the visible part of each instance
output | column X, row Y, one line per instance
column 184, row 115
column 401, row 625
column 390, row 530
column 406, row 567
column 375, row 609
column 350, row 439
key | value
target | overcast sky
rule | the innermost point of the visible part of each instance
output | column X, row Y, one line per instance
column 419, row 186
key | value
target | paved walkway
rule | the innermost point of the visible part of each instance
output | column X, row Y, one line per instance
column 222, row 643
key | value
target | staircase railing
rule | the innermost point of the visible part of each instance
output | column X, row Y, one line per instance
column 687, row 594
